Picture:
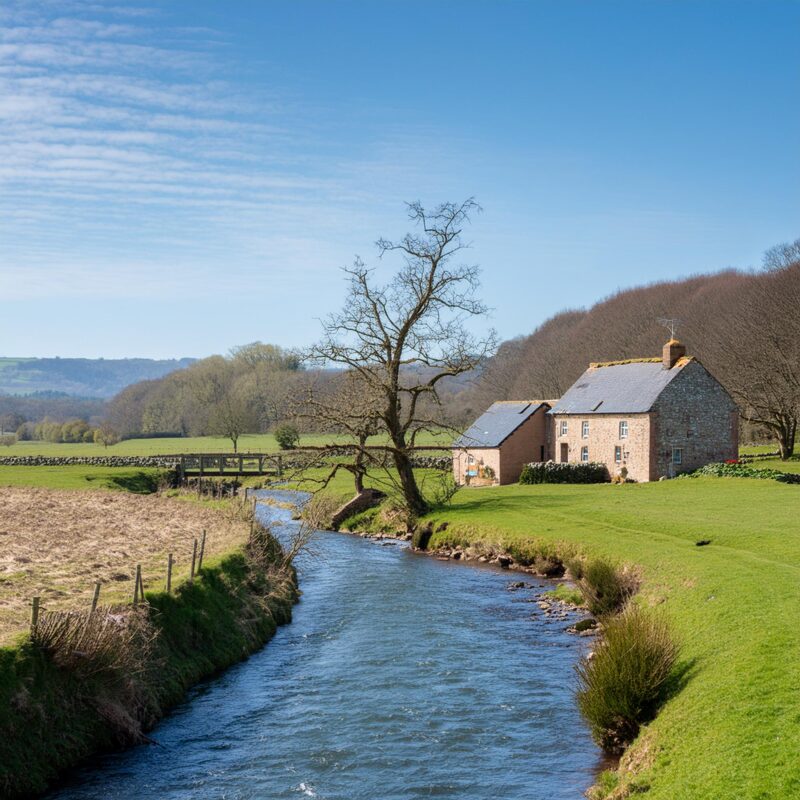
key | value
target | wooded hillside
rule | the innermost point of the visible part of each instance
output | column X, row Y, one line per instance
column 743, row 326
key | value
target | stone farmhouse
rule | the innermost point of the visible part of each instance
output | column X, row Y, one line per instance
column 643, row 418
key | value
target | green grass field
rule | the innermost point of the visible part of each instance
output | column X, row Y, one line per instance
column 734, row 729
column 129, row 479
column 250, row 442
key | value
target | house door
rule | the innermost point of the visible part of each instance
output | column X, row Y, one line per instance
column 564, row 452
column 541, row 453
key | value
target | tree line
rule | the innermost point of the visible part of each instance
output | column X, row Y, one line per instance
column 244, row 392
column 743, row 326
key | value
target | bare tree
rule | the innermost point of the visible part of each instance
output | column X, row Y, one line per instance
column 402, row 339
column 753, row 341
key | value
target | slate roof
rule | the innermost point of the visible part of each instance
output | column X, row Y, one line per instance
column 497, row 423
column 622, row 388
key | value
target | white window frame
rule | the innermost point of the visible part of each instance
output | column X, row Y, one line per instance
column 585, row 454
column 677, row 456
column 470, row 459
column 623, row 429
column 585, row 429
column 563, row 428
column 617, row 454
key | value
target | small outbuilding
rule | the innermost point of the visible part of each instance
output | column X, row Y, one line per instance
column 500, row 442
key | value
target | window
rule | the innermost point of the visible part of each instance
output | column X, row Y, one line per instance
column 585, row 429
column 563, row 427
column 584, row 454
column 677, row 455
column 617, row 455
column 623, row 429
column 470, row 459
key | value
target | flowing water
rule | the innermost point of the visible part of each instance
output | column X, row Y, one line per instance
column 400, row 677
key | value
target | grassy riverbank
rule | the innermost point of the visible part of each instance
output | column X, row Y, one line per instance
column 51, row 717
column 61, row 701
column 733, row 730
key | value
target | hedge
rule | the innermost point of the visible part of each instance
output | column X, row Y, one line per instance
column 570, row 472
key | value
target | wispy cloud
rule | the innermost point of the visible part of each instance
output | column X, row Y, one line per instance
column 128, row 155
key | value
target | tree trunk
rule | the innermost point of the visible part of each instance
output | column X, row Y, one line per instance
column 786, row 439
column 235, row 440
column 413, row 497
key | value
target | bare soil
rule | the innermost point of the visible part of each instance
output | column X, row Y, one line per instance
column 57, row 544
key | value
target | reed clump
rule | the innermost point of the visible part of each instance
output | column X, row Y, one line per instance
column 605, row 586
column 623, row 683
column 102, row 641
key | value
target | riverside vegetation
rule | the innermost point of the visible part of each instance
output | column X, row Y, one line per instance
column 85, row 680
column 716, row 564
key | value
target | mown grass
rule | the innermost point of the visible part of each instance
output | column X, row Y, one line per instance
column 249, row 442
column 733, row 729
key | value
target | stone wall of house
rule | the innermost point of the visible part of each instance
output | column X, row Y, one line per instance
column 481, row 456
column 523, row 446
column 694, row 413
column 603, row 437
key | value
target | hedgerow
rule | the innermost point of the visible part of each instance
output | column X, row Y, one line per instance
column 564, row 472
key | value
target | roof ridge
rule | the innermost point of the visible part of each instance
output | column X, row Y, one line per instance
column 622, row 361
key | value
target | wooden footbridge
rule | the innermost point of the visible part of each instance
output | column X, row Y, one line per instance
column 200, row 465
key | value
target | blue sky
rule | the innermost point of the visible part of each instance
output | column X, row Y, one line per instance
column 178, row 178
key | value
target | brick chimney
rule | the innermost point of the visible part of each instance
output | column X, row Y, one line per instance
column 673, row 350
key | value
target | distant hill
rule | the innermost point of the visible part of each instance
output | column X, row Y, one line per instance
column 81, row 377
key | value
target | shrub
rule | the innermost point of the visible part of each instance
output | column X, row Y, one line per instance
column 605, row 587
column 737, row 469
column 286, row 436
column 564, row 472
column 6, row 440
column 624, row 683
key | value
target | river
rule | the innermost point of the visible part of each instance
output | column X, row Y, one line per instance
column 400, row 677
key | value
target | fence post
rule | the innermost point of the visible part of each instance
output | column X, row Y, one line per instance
column 141, row 586
column 169, row 573
column 136, row 584
column 194, row 560
column 34, row 614
column 202, row 550
column 96, row 596
column 280, row 466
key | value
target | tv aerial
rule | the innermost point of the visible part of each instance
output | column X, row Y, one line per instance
column 670, row 324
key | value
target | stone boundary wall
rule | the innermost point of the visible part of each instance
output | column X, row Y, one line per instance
column 169, row 462
column 90, row 461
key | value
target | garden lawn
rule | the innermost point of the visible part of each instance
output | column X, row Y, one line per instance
column 733, row 731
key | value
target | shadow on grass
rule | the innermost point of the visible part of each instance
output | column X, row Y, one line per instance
column 134, row 482
column 682, row 673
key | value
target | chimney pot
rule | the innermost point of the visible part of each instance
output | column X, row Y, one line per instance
column 673, row 350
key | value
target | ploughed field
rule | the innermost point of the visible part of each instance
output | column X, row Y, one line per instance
column 733, row 730
column 56, row 544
